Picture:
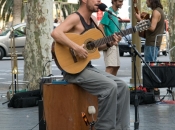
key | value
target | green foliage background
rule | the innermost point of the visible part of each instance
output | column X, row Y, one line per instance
column 7, row 9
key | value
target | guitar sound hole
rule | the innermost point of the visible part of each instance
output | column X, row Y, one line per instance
column 90, row 45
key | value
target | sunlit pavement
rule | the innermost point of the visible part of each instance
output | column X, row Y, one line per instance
column 158, row 116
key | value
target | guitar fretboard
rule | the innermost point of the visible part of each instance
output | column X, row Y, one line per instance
column 108, row 39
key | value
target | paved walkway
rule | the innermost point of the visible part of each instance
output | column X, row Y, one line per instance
column 152, row 117
column 17, row 119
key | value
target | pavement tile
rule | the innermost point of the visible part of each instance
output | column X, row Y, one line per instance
column 151, row 116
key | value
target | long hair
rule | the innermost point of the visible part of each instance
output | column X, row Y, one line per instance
column 155, row 3
column 80, row 1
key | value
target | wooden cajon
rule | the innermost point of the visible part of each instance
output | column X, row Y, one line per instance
column 63, row 105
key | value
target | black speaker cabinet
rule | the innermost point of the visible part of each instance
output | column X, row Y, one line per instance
column 165, row 73
column 42, row 123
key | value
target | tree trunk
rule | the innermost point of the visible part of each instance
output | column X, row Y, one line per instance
column 37, row 52
column 17, row 6
column 171, row 17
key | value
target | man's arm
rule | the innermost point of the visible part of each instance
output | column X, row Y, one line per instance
column 65, row 27
column 155, row 19
column 69, row 25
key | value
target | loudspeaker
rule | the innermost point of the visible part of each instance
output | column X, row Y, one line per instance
column 42, row 122
column 165, row 73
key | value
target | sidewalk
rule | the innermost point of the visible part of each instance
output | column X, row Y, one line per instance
column 152, row 116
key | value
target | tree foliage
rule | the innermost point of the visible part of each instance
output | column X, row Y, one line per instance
column 7, row 8
column 66, row 9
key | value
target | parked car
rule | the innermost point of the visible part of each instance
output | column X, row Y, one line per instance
column 125, row 46
column 6, row 43
column 19, row 38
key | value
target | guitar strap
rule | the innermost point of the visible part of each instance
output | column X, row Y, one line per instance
column 86, row 26
column 97, row 27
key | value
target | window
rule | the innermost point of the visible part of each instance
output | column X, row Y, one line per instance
column 20, row 32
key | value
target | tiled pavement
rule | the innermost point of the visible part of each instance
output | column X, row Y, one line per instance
column 151, row 117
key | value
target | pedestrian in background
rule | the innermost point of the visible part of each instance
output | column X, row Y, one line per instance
column 111, row 55
column 157, row 27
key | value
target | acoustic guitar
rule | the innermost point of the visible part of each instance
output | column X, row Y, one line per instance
column 144, row 15
column 67, row 60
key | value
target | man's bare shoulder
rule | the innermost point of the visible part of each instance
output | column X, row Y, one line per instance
column 156, row 13
column 73, row 18
column 69, row 23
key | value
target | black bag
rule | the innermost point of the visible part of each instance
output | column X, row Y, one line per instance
column 140, row 94
column 25, row 99
column 143, row 97
column 149, row 98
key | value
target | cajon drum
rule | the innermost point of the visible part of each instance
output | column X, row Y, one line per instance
column 63, row 105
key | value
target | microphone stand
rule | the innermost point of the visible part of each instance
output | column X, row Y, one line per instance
column 135, row 53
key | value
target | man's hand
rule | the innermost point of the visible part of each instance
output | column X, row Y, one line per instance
column 117, row 39
column 138, row 16
column 81, row 52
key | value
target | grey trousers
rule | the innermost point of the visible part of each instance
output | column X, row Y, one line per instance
column 113, row 97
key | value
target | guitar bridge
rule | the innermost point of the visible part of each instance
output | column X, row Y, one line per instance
column 73, row 55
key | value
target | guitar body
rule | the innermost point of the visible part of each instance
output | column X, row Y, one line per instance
column 65, row 58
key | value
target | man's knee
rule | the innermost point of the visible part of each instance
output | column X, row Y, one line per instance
column 125, row 87
column 112, row 87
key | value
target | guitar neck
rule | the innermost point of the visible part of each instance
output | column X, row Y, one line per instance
column 108, row 39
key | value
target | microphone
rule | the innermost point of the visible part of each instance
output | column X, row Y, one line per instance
column 103, row 7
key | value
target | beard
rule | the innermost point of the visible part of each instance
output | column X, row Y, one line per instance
column 92, row 9
column 118, row 6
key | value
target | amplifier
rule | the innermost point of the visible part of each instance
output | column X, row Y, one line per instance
column 165, row 71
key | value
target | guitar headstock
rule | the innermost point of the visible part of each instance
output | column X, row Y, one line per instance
column 143, row 25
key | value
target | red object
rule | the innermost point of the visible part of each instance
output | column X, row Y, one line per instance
column 152, row 64
column 142, row 88
column 99, row 15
